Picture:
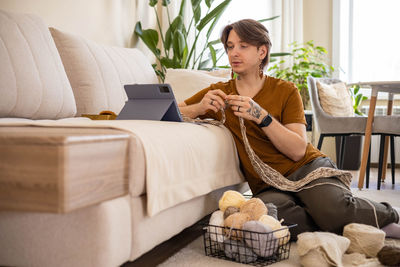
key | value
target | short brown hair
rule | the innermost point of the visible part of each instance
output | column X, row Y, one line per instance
column 250, row 31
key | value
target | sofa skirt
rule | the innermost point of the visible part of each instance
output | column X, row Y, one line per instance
column 98, row 236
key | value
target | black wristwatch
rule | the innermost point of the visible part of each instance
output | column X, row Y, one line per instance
column 266, row 121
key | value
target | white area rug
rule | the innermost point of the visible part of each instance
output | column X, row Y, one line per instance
column 193, row 254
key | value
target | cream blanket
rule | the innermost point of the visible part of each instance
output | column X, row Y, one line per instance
column 183, row 160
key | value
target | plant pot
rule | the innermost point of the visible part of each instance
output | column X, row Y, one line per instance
column 352, row 152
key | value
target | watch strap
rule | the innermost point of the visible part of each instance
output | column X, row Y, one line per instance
column 266, row 121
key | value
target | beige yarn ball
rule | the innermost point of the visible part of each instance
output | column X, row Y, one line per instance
column 229, row 211
column 283, row 235
column 255, row 207
column 234, row 224
column 216, row 225
column 231, row 198
column 364, row 239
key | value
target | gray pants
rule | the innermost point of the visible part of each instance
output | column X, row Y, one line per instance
column 324, row 207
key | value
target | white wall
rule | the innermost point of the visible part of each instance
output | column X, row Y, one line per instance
column 108, row 22
column 317, row 26
column 317, row 23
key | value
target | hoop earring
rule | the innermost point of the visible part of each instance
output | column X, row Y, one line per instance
column 261, row 71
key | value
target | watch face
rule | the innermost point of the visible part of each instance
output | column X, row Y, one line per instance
column 266, row 121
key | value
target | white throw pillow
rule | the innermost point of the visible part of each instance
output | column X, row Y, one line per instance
column 33, row 83
column 98, row 73
column 335, row 99
column 186, row 83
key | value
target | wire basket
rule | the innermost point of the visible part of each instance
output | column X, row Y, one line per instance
column 254, row 248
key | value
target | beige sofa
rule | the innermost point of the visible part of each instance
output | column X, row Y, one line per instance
column 77, row 192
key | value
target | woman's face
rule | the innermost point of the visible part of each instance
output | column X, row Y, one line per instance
column 244, row 57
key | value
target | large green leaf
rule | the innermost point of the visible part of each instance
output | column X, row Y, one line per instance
column 169, row 63
column 149, row 37
column 196, row 10
column 197, row 14
column 177, row 23
column 182, row 7
column 195, row 3
column 179, row 43
column 213, row 55
column 217, row 41
column 153, row 3
column 214, row 13
column 185, row 56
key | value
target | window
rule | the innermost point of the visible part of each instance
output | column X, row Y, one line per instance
column 366, row 40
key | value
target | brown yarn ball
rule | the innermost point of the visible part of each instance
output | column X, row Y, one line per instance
column 389, row 255
column 234, row 224
column 229, row 211
column 255, row 207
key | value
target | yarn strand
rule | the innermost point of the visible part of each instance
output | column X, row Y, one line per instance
column 276, row 179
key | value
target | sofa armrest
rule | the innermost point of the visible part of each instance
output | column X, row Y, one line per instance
column 58, row 170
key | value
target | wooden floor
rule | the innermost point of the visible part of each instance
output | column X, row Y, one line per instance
column 165, row 250
column 373, row 181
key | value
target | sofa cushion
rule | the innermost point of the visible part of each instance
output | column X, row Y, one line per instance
column 335, row 99
column 97, row 73
column 33, row 83
column 186, row 83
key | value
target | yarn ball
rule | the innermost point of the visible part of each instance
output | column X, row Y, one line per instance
column 216, row 225
column 389, row 255
column 231, row 198
column 364, row 238
column 255, row 207
column 260, row 238
column 281, row 232
column 238, row 251
column 234, row 224
column 229, row 211
column 272, row 210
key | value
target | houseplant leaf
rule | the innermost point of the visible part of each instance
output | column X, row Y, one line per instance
column 196, row 10
column 215, row 12
column 179, row 43
column 177, row 23
column 213, row 55
column 267, row 19
column 153, row 3
column 149, row 37
column 166, row 2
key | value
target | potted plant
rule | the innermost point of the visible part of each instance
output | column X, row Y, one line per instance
column 177, row 50
column 307, row 59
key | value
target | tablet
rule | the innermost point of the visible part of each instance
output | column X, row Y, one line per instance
column 150, row 102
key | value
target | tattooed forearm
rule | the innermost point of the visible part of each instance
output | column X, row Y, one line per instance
column 254, row 110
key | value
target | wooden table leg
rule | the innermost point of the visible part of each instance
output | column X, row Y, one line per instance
column 367, row 141
column 386, row 144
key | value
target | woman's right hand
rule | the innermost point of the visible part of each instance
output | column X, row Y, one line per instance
column 214, row 100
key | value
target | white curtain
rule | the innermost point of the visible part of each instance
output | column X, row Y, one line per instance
column 289, row 28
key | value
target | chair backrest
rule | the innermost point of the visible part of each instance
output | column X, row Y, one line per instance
column 319, row 113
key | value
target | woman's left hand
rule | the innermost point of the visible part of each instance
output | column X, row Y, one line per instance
column 246, row 107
